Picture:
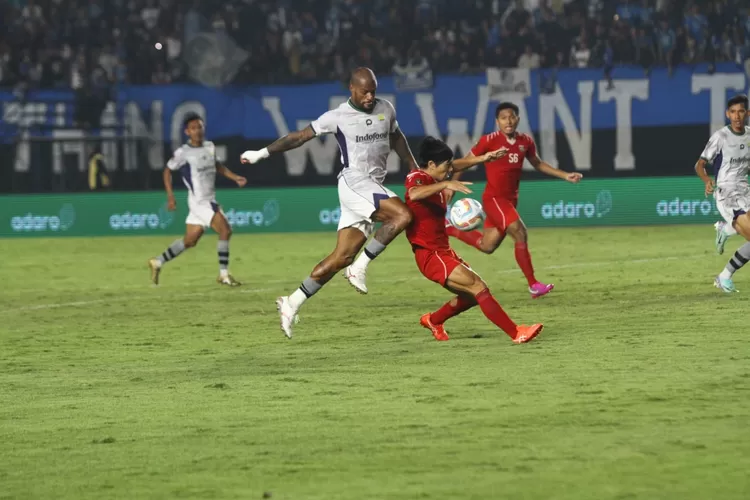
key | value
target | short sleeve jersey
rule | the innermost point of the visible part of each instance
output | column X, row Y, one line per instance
column 504, row 174
column 363, row 137
column 427, row 229
column 197, row 166
column 729, row 152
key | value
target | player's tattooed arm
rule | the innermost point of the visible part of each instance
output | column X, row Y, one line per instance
column 401, row 146
column 546, row 168
column 700, row 169
column 292, row 140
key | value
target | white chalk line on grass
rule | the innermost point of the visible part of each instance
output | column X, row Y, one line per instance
column 416, row 277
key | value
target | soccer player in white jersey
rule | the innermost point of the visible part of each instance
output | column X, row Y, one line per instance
column 366, row 130
column 196, row 162
column 729, row 151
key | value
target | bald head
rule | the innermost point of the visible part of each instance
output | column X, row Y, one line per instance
column 363, row 76
column 363, row 86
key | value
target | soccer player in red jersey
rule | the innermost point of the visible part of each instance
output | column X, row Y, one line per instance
column 500, row 196
column 426, row 197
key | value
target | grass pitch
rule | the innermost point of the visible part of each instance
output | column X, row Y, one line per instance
column 639, row 387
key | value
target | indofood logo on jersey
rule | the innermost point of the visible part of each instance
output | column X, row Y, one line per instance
column 685, row 208
column 373, row 137
column 268, row 216
column 129, row 221
column 32, row 222
column 579, row 209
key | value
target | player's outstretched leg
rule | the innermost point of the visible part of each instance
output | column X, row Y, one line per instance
column 517, row 231
column 222, row 227
column 193, row 233
column 486, row 241
column 462, row 280
column 435, row 321
column 724, row 280
column 723, row 232
column 471, row 238
column 350, row 241
column 395, row 216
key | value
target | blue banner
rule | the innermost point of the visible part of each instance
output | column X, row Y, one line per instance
column 582, row 102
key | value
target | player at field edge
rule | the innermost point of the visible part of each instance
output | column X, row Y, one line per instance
column 197, row 164
column 500, row 197
column 366, row 130
column 426, row 196
column 728, row 150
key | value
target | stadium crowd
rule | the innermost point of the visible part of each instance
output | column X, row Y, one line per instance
column 99, row 43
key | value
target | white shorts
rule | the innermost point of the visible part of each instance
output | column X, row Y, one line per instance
column 733, row 202
column 359, row 198
column 201, row 213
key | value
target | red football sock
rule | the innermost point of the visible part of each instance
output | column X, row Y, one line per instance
column 495, row 313
column 450, row 309
column 473, row 238
column 523, row 257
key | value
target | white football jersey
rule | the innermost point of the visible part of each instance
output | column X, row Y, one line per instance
column 197, row 165
column 730, row 154
column 363, row 137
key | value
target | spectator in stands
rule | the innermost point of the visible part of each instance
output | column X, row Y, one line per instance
column 47, row 42
column 529, row 59
column 580, row 54
column 666, row 44
column 644, row 49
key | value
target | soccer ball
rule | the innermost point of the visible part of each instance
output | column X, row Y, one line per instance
column 466, row 214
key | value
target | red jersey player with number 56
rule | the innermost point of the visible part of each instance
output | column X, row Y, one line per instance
column 500, row 196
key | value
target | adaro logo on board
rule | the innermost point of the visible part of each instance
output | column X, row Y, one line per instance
column 31, row 222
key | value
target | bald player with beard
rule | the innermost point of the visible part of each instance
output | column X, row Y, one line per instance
column 366, row 130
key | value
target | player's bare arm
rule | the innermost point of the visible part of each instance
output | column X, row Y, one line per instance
column 167, row 176
column 401, row 146
column 221, row 169
column 470, row 160
column 290, row 141
column 546, row 168
column 700, row 169
column 421, row 192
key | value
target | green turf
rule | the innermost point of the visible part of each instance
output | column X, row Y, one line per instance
column 639, row 386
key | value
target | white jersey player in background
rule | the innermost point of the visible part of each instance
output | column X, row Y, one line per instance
column 196, row 162
column 728, row 150
column 366, row 130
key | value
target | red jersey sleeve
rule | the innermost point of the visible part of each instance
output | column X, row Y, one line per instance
column 531, row 152
column 417, row 178
column 480, row 147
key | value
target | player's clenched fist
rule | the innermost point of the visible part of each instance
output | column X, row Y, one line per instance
column 254, row 156
column 574, row 177
column 710, row 185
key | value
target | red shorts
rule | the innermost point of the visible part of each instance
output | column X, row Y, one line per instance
column 437, row 265
column 501, row 212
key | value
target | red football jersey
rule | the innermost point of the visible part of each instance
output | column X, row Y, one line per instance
column 504, row 174
column 427, row 229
